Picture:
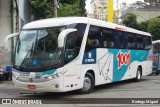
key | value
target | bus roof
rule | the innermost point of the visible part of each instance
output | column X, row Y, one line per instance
column 156, row 41
column 46, row 23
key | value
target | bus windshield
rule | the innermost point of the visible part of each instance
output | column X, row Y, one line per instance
column 156, row 48
column 38, row 48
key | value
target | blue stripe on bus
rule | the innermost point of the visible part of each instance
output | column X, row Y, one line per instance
column 118, row 72
column 49, row 72
column 135, row 55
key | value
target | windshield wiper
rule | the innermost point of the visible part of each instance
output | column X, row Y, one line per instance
column 25, row 58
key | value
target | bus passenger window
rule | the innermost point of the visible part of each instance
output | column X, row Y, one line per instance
column 69, row 49
column 108, row 38
column 110, row 44
column 105, row 44
column 139, row 42
column 148, row 42
column 94, row 38
column 121, row 40
column 130, row 39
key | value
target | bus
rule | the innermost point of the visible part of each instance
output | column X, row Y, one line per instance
column 156, row 56
column 78, row 53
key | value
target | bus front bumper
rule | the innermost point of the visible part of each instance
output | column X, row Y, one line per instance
column 55, row 85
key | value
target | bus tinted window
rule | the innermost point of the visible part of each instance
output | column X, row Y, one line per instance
column 122, row 40
column 108, row 38
column 94, row 38
column 73, row 43
column 139, row 41
column 130, row 39
column 156, row 48
column 148, row 42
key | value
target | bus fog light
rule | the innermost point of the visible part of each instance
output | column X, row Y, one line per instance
column 57, row 85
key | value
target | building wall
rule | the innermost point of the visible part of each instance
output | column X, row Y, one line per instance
column 5, row 20
column 5, row 29
column 145, row 15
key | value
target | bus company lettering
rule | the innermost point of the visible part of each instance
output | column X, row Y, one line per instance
column 123, row 58
column 90, row 59
column 155, row 58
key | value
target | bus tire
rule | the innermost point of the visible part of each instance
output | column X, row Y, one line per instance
column 138, row 75
column 88, row 84
column 157, row 72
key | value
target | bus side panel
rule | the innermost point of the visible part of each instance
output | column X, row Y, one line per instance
column 98, row 60
column 113, row 65
column 72, row 77
column 126, row 63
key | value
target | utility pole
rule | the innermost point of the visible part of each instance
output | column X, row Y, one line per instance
column 55, row 8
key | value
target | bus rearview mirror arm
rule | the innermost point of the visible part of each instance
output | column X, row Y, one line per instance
column 62, row 36
column 9, row 37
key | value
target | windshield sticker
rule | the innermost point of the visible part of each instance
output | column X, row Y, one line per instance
column 34, row 62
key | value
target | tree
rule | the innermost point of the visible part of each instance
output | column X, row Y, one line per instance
column 44, row 8
column 154, row 28
column 68, row 10
column 143, row 26
column 131, row 21
column 74, row 8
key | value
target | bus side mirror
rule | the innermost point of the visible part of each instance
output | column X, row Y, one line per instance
column 9, row 37
column 62, row 36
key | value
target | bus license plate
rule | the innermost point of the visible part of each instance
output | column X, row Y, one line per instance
column 31, row 86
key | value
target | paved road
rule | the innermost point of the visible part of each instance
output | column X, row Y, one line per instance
column 148, row 87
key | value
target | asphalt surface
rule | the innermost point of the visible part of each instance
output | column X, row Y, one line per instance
column 148, row 87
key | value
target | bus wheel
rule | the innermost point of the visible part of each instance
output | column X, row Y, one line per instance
column 88, row 84
column 138, row 75
column 157, row 72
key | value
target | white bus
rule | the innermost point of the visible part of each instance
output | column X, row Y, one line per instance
column 64, row 54
column 156, row 56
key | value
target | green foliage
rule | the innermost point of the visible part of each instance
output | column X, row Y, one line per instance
column 68, row 10
column 154, row 28
column 71, row 8
column 68, row 1
column 42, row 8
column 45, row 8
column 143, row 26
column 131, row 21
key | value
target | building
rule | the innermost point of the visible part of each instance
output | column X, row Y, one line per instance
column 150, row 10
column 99, row 9
column 153, row 2
column 6, row 27
column 144, row 10
column 13, row 15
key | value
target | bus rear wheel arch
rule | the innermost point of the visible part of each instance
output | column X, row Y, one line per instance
column 88, row 83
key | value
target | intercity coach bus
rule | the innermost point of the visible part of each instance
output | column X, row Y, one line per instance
column 156, row 56
column 78, row 53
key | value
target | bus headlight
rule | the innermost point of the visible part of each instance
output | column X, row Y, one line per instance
column 53, row 76
column 15, row 75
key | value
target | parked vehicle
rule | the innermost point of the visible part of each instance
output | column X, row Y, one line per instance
column 64, row 54
column 1, row 74
column 6, row 74
column 156, row 56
